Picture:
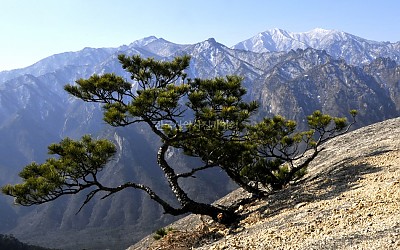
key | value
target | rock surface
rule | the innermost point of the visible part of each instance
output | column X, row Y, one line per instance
column 349, row 199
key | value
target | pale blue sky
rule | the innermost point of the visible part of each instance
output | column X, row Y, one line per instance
column 32, row 30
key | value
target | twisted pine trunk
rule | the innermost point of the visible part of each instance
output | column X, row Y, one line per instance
column 224, row 216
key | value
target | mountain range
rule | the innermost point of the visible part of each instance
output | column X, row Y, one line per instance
column 291, row 74
column 355, row 50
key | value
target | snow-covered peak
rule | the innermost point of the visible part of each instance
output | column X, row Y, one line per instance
column 157, row 46
column 278, row 32
column 339, row 44
column 209, row 44
column 317, row 38
column 321, row 31
column 271, row 40
column 143, row 42
column 282, row 40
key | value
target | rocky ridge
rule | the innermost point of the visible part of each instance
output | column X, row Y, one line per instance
column 348, row 200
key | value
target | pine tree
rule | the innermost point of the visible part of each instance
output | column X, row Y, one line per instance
column 220, row 133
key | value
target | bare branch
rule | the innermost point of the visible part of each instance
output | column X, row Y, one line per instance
column 193, row 171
